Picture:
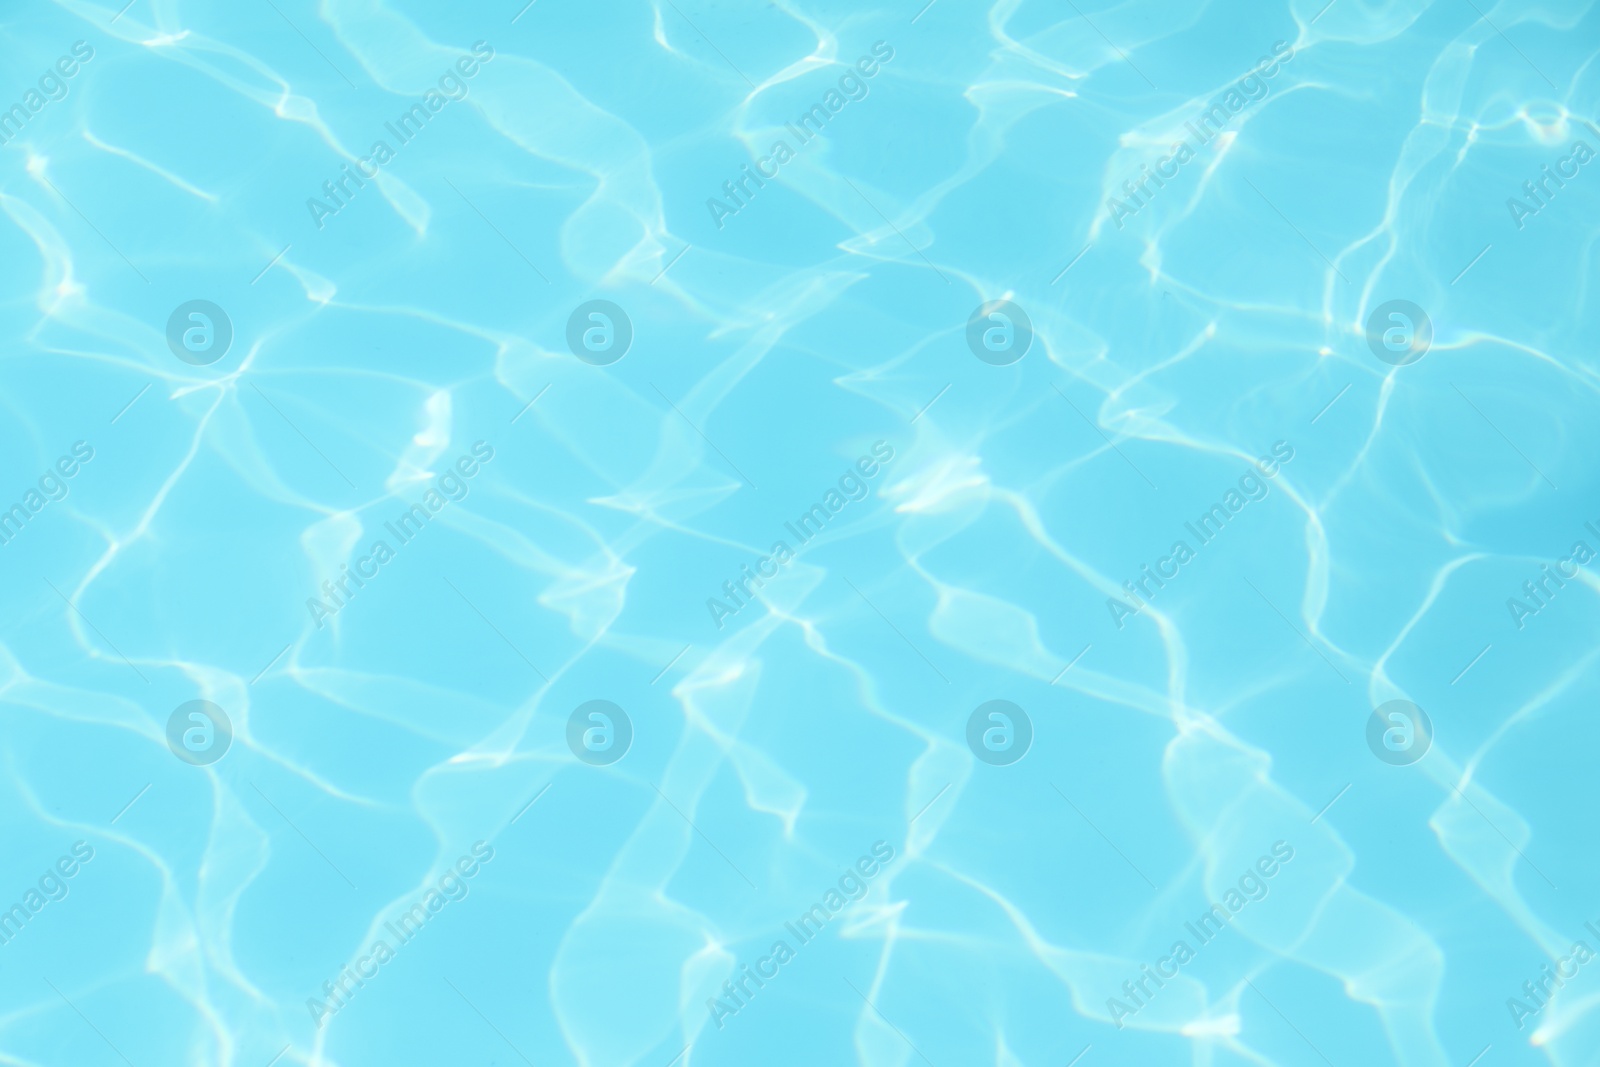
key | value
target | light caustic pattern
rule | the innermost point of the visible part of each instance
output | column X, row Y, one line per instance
column 674, row 532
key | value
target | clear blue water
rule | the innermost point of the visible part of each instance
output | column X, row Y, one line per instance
column 722, row 406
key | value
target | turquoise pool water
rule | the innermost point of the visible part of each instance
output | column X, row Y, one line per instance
column 720, row 533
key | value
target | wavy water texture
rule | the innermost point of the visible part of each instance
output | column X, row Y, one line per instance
column 1199, row 331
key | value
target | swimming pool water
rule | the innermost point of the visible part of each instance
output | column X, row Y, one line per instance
column 708, row 533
